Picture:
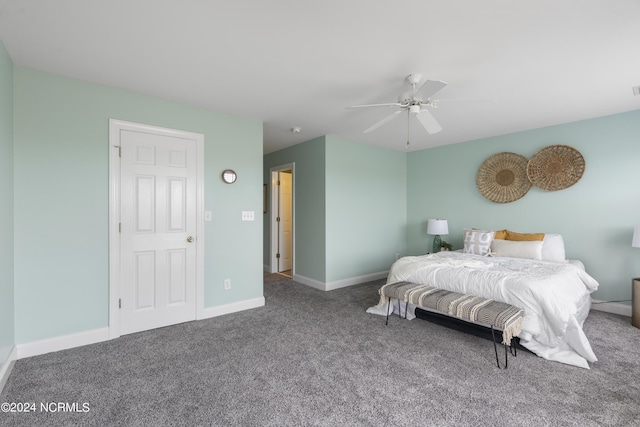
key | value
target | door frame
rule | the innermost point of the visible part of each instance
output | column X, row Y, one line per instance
column 115, row 127
column 273, row 175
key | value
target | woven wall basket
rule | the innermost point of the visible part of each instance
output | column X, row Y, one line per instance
column 502, row 178
column 555, row 167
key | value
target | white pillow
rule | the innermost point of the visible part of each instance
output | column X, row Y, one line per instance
column 477, row 241
column 517, row 249
column 553, row 247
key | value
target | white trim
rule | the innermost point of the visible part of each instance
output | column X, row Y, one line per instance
column 115, row 126
column 114, row 220
column 273, row 225
column 343, row 283
column 7, row 367
column 234, row 307
column 611, row 307
column 316, row 284
column 36, row 348
column 79, row 339
column 330, row 286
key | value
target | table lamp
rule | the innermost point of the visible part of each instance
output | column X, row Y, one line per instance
column 440, row 226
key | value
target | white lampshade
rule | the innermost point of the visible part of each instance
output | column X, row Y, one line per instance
column 440, row 227
column 636, row 237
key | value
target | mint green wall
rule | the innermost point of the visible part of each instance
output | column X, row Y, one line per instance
column 366, row 193
column 309, row 199
column 7, row 339
column 61, row 199
column 350, row 207
column 596, row 215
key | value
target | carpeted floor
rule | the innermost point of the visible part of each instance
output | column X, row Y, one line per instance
column 316, row 358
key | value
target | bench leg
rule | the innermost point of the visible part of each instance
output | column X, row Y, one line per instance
column 506, row 357
column 495, row 348
column 388, row 310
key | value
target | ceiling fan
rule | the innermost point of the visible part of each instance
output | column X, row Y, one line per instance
column 414, row 101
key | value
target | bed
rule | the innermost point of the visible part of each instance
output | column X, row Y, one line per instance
column 554, row 293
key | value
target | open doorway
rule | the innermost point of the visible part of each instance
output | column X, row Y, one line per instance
column 282, row 220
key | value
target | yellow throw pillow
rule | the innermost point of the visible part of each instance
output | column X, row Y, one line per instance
column 523, row 237
column 501, row 234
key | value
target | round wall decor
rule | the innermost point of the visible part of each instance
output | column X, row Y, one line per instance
column 555, row 167
column 502, row 178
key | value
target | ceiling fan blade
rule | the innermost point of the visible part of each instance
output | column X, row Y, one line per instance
column 428, row 121
column 389, row 104
column 383, row 121
column 466, row 100
column 429, row 88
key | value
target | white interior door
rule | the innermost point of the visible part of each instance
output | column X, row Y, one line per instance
column 285, row 225
column 158, row 254
column 276, row 232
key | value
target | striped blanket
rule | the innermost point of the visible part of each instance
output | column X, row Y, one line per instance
column 483, row 311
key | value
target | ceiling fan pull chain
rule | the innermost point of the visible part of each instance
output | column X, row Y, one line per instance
column 408, row 126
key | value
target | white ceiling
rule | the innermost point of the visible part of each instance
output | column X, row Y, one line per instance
column 300, row 63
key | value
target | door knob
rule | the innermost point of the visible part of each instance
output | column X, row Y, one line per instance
column 190, row 239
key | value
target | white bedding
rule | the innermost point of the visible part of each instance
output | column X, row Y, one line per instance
column 555, row 296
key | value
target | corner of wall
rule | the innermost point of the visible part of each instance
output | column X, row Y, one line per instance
column 6, row 367
column 7, row 250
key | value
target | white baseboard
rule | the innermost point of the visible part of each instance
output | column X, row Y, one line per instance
column 64, row 342
column 611, row 307
column 7, row 366
column 231, row 308
column 316, row 284
column 330, row 286
column 356, row 280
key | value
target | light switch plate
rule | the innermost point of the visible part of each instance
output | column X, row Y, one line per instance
column 207, row 215
column 247, row 215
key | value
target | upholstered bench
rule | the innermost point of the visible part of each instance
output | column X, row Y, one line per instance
column 498, row 316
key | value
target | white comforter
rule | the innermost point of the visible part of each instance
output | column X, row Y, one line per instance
column 555, row 296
